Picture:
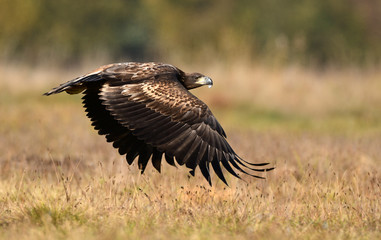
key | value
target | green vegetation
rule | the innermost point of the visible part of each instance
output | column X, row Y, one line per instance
column 320, row 127
column 341, row 122
column 60, row 180
column 309, row 32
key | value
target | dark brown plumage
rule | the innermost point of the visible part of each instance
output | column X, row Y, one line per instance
column 146, row 111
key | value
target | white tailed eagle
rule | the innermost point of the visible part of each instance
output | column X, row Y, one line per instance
column 146, row 111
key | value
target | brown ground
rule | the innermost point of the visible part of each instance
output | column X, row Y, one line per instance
column 322, row 131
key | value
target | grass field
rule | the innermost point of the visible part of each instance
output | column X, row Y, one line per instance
column 321, row 129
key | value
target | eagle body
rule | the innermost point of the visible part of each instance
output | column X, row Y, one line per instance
column 146, row 111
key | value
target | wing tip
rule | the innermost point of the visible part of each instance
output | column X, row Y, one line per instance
column 53, row 91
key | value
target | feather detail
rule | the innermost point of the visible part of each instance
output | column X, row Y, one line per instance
column 146, row 111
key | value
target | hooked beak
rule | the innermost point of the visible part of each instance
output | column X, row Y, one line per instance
column 205, row 81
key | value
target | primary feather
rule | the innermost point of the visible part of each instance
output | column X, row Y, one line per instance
column 147, row 112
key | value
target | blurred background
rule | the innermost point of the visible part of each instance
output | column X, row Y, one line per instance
column 296, row 84
column 289, row 66
column 307, row 32
column 276, row 65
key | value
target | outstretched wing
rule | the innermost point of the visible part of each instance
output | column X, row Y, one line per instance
column 162, row 113
column 125, row 72
column 147, row 113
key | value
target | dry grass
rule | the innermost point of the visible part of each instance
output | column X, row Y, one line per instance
column 58, row 179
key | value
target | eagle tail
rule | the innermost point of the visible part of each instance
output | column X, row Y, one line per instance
column 76, row 85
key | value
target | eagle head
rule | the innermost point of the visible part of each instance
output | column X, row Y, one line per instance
column 195, row 80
